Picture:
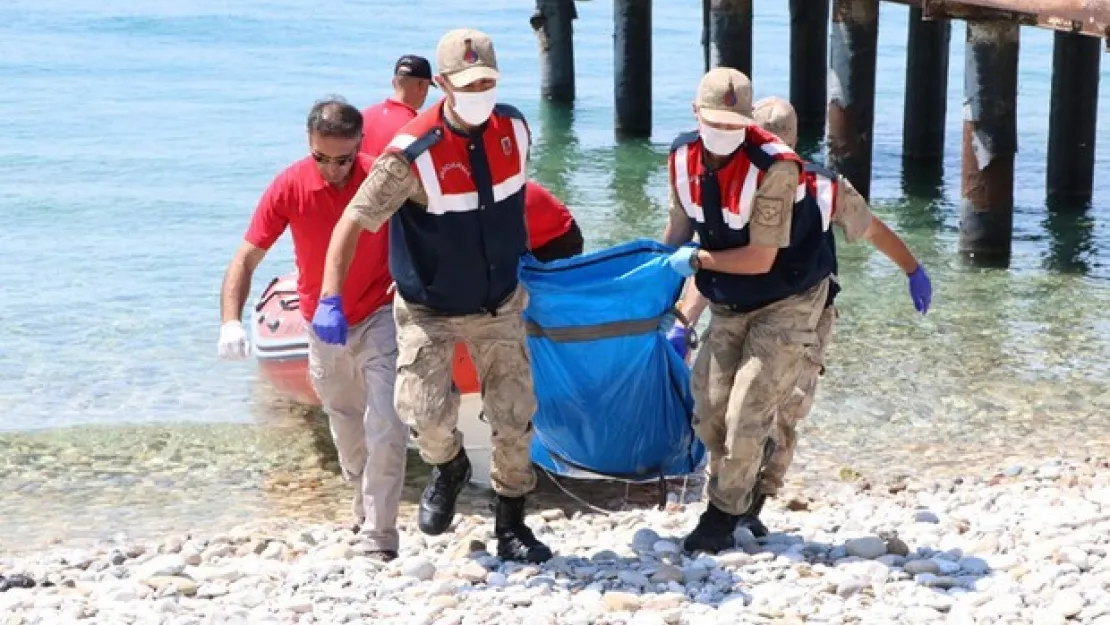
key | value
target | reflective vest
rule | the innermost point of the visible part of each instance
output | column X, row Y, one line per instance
column 460, row 254
column 719, row 205
column 821, row 188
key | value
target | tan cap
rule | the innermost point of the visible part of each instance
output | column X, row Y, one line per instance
column 777, row 116
column 465, row 55
column 725, row 97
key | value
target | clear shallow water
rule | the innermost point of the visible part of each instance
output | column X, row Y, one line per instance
column 135, row 142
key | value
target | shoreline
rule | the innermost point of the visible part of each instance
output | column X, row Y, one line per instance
column 1023, row 545
column 75, row 486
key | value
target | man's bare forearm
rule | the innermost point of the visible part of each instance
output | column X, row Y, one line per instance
column 751, row 260
column 693, row 303
column 772, row 215
column 676, row 234
column 341, row 251
column 236, row 287
column 678, row 230
column 891, row 245
column 233, row 295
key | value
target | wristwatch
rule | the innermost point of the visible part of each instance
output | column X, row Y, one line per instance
column 695, row 261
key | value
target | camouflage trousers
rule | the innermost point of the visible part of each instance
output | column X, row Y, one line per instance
column 746, row 368
column 795, row 408
column 425, row 401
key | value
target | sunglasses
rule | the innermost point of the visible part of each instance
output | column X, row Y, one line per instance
column 324, row 159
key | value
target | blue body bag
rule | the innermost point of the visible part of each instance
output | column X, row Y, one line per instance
column 613, row 396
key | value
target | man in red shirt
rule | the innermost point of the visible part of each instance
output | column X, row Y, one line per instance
column 412, row 77
column 552, row 231
column 354, row 380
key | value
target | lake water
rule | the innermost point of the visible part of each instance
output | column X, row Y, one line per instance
column 135, row 140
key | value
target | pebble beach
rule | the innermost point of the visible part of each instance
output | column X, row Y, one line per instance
column 1025, row 544
column 953, row 470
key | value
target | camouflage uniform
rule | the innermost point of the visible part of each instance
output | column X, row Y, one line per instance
column 795, row 407
column 853, row 216
column 426, row 344
column 452, row 296
column 743, row 372
column 748, row 361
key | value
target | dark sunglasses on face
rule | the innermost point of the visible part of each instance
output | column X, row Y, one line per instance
column 324, row 159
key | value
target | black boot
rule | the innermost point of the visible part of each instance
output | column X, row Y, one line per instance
column 514, row 540
column 437, row 503
column 713, row 533
column 750, row 518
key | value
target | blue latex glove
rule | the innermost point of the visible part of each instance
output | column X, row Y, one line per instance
column 921, row 290
column 680, row 261
column 329, row 323
column 677, row 338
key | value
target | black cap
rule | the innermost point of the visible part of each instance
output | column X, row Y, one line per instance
column 413, row 65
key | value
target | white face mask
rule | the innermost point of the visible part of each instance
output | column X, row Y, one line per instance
column 721, row 142
column 475, row 108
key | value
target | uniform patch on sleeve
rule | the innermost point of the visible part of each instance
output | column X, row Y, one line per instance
column 387, row 185
column 768, row 211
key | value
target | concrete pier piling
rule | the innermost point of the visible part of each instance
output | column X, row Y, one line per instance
column 730, row 27
column 1073, row 118
column 989, row 142
column 632, row 67
column 553, row 23
column 809, row 30
column 851, row 113
column 926, row 100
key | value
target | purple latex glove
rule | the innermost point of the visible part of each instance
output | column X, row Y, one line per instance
column 677, row 338
column 921, row 290
column 329, row 323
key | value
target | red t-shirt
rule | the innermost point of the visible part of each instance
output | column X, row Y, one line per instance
column 299, row 198
column 547, row 217
column 381, row 122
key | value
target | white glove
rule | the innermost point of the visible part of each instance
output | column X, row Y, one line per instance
column 233, row 341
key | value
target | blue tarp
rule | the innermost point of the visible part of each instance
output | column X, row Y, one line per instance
column 618, row 406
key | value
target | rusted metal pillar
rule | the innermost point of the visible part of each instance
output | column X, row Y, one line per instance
column 926, row 92
column 731, row 30
column 553, row 23
column 1072, row 119
column 632, row 67
column 852, row 46
column 809, row 29
column 990, row 142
